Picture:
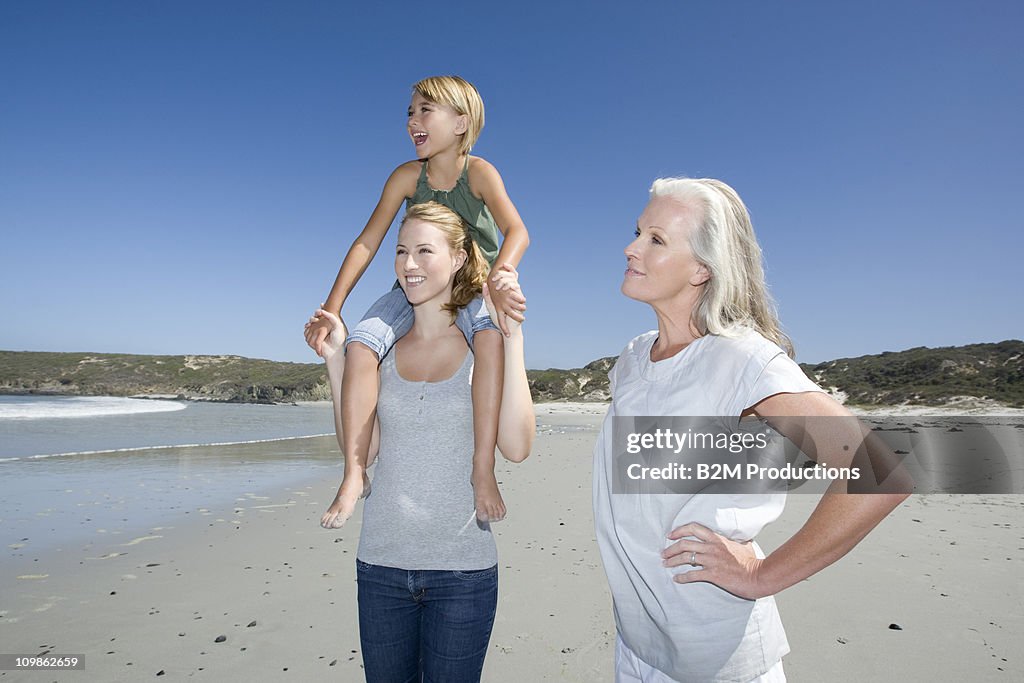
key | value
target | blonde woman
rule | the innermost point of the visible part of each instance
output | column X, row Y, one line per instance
column 426, row 566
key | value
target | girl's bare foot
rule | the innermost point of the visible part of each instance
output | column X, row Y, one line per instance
column 345, row 503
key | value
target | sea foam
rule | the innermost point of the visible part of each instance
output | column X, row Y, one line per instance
column 37, row 408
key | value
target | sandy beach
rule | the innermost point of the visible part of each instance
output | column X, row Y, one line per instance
column 256, row 590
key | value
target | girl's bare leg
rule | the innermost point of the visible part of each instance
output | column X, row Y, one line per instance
column 356, row 483
column 488, row 373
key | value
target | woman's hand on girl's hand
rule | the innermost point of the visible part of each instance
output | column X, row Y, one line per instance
column 335, row 340
column 503, row 296
column 496, row 315
column 316, row 331
column 507, row 297
column 729, row 565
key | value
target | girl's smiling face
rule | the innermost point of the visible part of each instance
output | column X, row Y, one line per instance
column 433, row 127
column 425, row 264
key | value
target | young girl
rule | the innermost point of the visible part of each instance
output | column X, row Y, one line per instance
column 446, row 116
column 426, row 569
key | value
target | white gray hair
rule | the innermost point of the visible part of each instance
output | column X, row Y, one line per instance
column 722, row 239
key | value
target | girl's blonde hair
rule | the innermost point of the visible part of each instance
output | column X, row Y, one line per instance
column 461, row 96
column 469, row 279
column 723, row 240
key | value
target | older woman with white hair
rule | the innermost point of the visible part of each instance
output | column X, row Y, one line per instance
column 692, row 591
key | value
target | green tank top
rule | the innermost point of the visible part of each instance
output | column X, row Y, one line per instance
column 462, row 201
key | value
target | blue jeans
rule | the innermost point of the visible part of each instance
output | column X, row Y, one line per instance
column 391, row 317
column 425, row 625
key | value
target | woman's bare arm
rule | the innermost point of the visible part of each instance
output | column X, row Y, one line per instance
column 839, row 522
column 517, row 422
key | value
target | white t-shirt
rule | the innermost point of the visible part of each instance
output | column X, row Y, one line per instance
column 696, row 631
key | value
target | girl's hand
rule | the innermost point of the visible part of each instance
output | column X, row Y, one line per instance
column 506, row 283
column 729, row 565
column 334, row 339
column 315, row 331
column 507, row 297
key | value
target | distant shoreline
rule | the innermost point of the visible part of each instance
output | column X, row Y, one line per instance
column 959, row 405
column 7, row 391
column 975, row 377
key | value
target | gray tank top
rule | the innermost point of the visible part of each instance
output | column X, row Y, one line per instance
column 420, row 512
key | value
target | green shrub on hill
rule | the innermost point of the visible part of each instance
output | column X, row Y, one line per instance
column 929, row 376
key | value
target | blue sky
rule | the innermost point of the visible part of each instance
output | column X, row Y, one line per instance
column 186, row 177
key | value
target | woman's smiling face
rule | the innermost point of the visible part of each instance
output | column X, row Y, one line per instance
column 424, row 263
column 660, row 264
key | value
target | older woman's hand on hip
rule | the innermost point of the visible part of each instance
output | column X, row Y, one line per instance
column 715, row 559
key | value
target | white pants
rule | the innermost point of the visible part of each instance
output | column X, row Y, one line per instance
column 631, row 669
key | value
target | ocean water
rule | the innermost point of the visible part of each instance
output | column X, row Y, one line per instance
column 41, row 426
column 99, row 470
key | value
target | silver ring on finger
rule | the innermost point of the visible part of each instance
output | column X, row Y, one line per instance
column 693, row 559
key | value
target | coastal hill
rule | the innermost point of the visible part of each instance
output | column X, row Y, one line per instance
column 203, row 378
column 925, row 376
column 920, row 376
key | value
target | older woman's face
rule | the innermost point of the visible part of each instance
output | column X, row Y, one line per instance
column 659, row 263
